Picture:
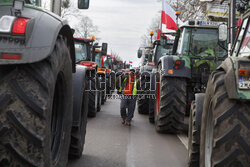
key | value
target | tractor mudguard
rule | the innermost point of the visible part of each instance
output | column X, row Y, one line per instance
column 40, row 37
column 79, row 78
column 230, row 66
column 168, row 67
column 146, row 68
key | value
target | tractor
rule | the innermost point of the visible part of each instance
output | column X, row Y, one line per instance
column 101, row 72
column 219, row 124
column 162, row 47
column 110, row 75
column 43, row 97
column 86, row 56
column 197, row 51
column 150, row 57
column 146, row 66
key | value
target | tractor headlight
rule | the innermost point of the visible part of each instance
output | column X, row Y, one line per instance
column 6, row 23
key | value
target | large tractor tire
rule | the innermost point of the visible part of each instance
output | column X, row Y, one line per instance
column 104, row 98
column 93, row 97
column 152, row 99
column 78, row 131
column 225, row 128
column 36, row 111
column 151, row 114
column 103, row 86
column 108, row 87
column 99, row 103
column 142, row 104
column 194, row 130
column 143, row 101
column 170, row 104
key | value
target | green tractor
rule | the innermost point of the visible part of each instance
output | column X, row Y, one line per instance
column 146, row 66
column 149, row 58
column 42, row 116
column 162, row 47
column 219, row 127
column 197, row 51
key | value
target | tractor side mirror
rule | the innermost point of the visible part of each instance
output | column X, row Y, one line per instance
column 83, row 4
column 139, row 53
column 222, row 32
column 104, row 48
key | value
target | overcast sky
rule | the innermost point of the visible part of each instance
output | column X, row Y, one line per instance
column 122, row 23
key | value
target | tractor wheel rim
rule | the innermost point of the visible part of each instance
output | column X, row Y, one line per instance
column 209, row 139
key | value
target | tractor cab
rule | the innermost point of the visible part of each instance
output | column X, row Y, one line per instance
column 197, row 42
column 108, row 63
column 162, row 47
column 146, row 54
column 196, row 36
column 99, row 59
column 83, row 52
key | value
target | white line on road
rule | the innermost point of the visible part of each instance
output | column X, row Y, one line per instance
column 184, row 139
column 130, row 161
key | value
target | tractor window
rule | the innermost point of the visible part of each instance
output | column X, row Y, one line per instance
column 81, row 52
column 245, row 44
column 144, row 59
column 98, row 59
column 162, row 51
column 107, row 63
column 183, row 42
column 33, row 2
column 197, row 40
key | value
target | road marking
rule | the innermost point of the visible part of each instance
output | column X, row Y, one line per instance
column 184, row 139
column 130, row 161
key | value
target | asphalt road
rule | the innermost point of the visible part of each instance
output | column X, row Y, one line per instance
column 111, row 144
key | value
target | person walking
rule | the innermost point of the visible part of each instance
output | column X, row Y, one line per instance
column 128, row 91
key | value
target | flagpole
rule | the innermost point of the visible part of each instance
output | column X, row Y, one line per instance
column 177, row 16
column 161, row 16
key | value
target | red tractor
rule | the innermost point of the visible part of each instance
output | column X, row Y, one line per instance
column 85, row 55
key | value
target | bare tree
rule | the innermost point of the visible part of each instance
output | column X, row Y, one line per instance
column 116, row 55
column 189, row 9
column 86, row 28
column 68, row 9
column 154, row 26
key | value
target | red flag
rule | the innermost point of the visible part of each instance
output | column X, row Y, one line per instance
column 168, row 16
column 112, row 56
column 159, row 34
column 102, row 60
column 130, row 62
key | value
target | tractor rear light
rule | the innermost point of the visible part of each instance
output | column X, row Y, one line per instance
column 11, row 56
column 177, row 62
column 19, row 26
column 244, row 72
column 6, row 23
column 151, row 63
